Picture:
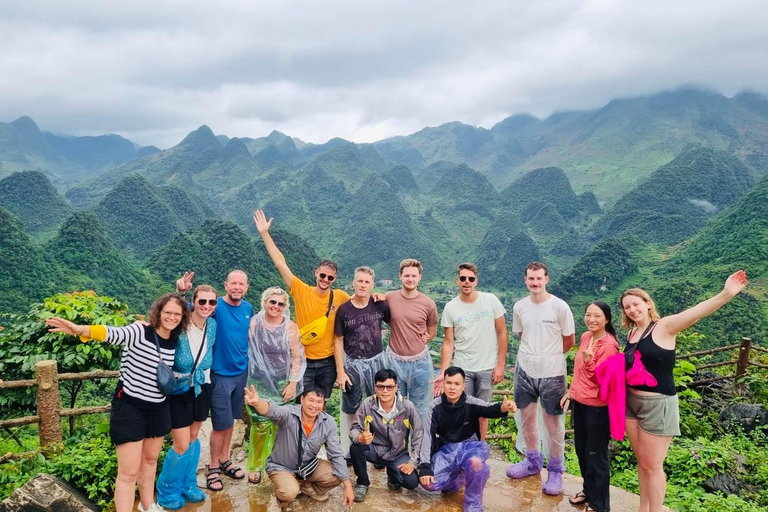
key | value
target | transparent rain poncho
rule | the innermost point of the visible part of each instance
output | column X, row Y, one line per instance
column 414, row 377
column 456, row 464
column 533, row 422
column 275, row 358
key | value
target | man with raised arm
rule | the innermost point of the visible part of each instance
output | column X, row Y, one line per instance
column 358, row 346
column 452, row 453
column 475, row 338
column 302, row 429
column 413, row 324
column 546, row 329
column 311, row 302
column 229, row 371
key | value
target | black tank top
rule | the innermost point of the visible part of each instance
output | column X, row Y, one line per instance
column 660, row 362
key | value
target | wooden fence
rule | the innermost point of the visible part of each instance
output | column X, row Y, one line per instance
column 49, row 411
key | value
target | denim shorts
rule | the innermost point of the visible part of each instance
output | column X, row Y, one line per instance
column 227, row 399
column 658, row 415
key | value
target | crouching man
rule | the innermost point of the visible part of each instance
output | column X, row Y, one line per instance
column 384, row 427
column 452, row 454
column 302, row 429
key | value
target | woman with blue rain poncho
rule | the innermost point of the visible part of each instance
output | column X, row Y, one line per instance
column 276, row 365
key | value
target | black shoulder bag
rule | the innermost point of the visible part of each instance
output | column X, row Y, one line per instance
column 166, row 381
column 305, row 469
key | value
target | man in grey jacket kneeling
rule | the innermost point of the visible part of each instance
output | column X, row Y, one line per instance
column 384, row 427
column 302, row 429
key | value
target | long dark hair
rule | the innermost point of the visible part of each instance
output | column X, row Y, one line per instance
column 157, row 307
column 606, row 309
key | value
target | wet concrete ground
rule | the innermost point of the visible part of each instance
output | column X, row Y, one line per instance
column 501, row 493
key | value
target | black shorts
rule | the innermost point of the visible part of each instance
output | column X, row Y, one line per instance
column 187, row 408
column 321, row 372
column 129, row 423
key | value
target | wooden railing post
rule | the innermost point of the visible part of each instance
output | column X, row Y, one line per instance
column 48, row 406
column 742, row 364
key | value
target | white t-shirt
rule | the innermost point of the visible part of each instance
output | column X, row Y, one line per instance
column 474, row 331
column 195, row 337
column 543, row 327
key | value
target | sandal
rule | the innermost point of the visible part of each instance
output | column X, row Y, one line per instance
column 578, row 499
column 231, row 471
column 212, row 480
column 254, row 477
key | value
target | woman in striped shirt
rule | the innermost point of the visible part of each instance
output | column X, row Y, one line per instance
column 140, row 416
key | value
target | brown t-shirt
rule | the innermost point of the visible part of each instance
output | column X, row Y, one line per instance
column 409, row 320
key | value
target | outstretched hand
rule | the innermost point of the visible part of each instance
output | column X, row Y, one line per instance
column 184, row 283
column 64, row 326
column 735, row 283
column 262, row 224
column 251, row 396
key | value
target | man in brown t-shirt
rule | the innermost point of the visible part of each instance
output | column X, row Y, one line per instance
column 413, row 324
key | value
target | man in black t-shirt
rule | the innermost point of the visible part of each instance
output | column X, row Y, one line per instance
column 357, row 345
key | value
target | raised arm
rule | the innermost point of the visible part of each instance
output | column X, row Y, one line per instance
column 184, row 283
column 263, row 225
column 673, row 324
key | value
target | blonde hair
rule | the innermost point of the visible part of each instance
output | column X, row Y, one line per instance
column 274, row 290
column 410, row 262
column 203, row 288
column 641, row 294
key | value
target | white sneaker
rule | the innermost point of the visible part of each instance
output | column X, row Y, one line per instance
column 154, row 507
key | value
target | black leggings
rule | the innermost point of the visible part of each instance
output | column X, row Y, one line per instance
column 591, row 430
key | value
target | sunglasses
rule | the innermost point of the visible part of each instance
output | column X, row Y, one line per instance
column 202, row 302
column 329, row 277
column 388, row 387
column 471, row 279
column 276, row 303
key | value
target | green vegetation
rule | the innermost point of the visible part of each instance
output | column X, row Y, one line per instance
column 30, row 196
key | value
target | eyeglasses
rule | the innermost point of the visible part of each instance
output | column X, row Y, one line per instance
column 388, row 387
column 329, row 277
column 471, row 279
column 172, row 314
column 276, row 303
column 202, row 302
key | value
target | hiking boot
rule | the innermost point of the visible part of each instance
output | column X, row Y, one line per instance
column 360, row 492
column 393, row 486
column 531, row 465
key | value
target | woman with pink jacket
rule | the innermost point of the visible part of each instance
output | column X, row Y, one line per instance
column 591, row 425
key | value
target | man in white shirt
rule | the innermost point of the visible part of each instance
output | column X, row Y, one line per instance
column 475, row 338
column 546, row 329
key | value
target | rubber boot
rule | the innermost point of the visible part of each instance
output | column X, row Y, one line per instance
column 554, row 484
column 170, row 480
column 189, row 490
column 531, row 465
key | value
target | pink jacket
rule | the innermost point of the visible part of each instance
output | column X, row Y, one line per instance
column 613, row 380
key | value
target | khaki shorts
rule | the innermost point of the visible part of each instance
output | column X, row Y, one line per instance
column 658, row 415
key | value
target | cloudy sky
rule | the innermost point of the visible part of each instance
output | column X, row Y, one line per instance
column 153, row 71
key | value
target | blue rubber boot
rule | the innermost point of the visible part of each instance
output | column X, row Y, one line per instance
column 170, row 480
column 189, row 489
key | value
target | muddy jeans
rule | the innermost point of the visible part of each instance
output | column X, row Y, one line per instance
column 287, row 486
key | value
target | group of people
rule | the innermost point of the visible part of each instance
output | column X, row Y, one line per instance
column 397, row 414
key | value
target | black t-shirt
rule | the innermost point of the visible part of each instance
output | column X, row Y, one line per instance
column 361, row 328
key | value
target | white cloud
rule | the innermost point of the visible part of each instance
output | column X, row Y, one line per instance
column 153, row 71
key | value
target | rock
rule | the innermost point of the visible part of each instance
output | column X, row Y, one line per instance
column 724, row 482
column 748, row 416
column 46, row 493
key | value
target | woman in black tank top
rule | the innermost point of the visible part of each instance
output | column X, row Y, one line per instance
column 654, row 337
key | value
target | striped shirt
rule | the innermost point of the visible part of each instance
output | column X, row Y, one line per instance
column 138, row 366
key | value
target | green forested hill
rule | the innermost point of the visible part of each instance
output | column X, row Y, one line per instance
column 30, row 196
column 91, row 260
column 679, row 198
